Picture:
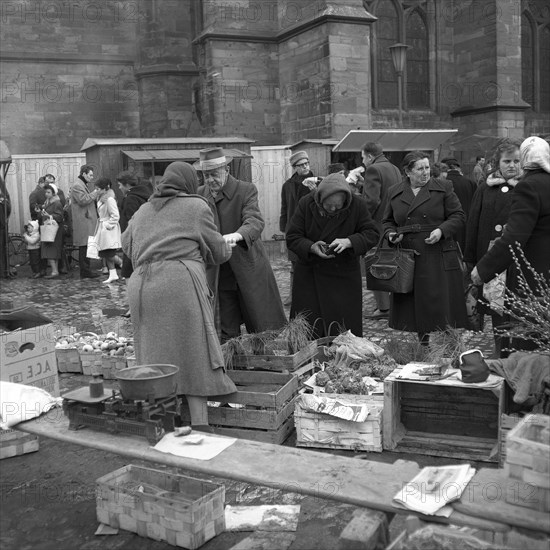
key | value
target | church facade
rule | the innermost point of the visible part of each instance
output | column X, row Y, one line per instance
column 275, row 71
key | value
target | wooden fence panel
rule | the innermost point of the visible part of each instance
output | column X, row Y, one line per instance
column 23, row 175
column 270, row 169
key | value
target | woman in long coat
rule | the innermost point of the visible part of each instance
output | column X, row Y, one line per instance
column 108, row 236
column 327, row 286
column 528, row 225
column 52, row 209
column 489, row 214
column 425, row 214
column 170, row 240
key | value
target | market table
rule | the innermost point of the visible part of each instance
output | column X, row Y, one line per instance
column 349, row 480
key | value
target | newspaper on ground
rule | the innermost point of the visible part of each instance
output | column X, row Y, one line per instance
column 433, row 488
column 340, row 408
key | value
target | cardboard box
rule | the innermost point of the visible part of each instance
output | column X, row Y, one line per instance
column 27, row 350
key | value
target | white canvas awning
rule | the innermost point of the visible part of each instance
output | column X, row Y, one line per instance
column 395, row 140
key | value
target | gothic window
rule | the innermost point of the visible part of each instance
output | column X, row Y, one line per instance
column 387, row 33
column 417, row 70
column 408, row 26
column 543, row 69
column 527, row 61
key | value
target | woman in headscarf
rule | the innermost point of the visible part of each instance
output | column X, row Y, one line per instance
column 329, row 232
column 169, row 241
column 425, row 214
column 528, row 226
column 488, row 215
column 52, row 209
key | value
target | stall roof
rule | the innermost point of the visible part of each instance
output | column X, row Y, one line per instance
column 166, row 155
column 395, row 140
column 5, row 155
column 94, row 142
column 318, row 141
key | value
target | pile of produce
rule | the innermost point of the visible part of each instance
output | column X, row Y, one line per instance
column 294, row 336
column 89, row 342
column 354, row 364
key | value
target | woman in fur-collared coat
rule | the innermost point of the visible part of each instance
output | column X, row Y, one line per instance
column 437, row 300
column 327, row 284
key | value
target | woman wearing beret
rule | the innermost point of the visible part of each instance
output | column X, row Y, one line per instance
column 329, row 232
column 528, row 226
column 425, row 214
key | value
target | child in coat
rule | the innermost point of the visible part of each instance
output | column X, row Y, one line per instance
column 32, row 238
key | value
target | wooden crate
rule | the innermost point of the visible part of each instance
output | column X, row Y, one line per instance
column 180, row 510
column 276, row 363
column 507, row 422
column 111, row 364
column 91, row 362
column 131, row 361
column 323, row 431
column 16, row 443
column 267, row 415
column 528, row 461
column 441, row 418
column 68, row 360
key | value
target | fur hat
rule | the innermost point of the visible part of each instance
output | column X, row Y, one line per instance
column 296, row 157
column 210, row 159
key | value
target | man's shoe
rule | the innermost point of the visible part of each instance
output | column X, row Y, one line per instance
column 378, row 314
column 89, row 275
column 37, row 276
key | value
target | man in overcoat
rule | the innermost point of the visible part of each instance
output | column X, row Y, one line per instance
column 300, row 184
column 379, row 176
column 464, row 189
column 245, row 287
column 84, row 216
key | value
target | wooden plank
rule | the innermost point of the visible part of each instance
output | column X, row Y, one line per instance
column 275, row 437
column 392, row 429
column 343, row 479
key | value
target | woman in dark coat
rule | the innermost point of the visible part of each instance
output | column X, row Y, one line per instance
column 488, row 215
column 170, row 240
column 425, row 214
column 327, row 285
column 52, row 209
column 528, row 225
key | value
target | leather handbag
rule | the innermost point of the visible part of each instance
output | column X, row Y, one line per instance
column 390, row 269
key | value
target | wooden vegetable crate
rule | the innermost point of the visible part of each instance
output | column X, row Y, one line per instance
column 111, row 364
column 276, row 363
column 265, row 407
column 68, row 360
column 443, row 418
column 16, row 443
column 507, row 422
column 528, row 462
column 180, row 510
column 92, row 363
column 322, row 431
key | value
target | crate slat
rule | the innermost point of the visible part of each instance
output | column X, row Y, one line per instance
column 277, row 363
column 15, row 443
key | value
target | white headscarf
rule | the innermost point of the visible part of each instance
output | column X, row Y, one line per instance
column 534, row 154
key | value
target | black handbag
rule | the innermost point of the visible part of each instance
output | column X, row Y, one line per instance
column 390, row 269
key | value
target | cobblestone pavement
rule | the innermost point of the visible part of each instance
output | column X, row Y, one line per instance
column 48, row 497
column 90, row 305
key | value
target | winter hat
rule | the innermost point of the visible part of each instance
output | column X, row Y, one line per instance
column 333, row 183
column 298, row 156
column 54, row 187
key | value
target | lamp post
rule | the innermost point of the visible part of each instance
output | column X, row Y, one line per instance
column 398, row 57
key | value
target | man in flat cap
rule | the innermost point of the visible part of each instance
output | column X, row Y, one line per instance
column 300, row 184
column 245, row 287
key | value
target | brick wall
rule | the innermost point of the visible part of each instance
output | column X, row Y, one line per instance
column 66, row 73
